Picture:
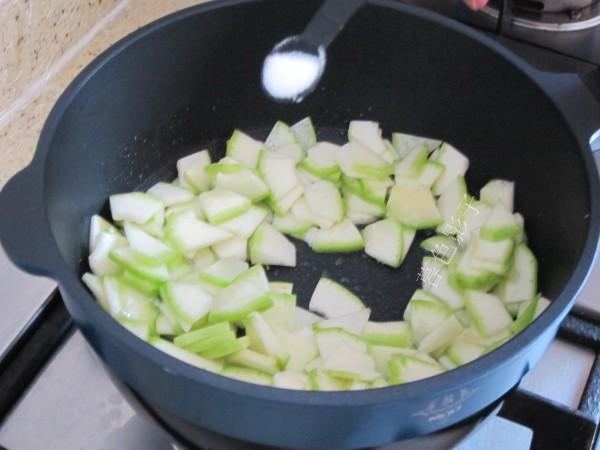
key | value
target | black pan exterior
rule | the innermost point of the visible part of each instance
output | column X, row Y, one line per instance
column 186, row 81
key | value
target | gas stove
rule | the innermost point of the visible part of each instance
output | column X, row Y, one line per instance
column 56, row 394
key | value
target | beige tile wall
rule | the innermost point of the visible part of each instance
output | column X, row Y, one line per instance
column 36, row 33
column 43, row 45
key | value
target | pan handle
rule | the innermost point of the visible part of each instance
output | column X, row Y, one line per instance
column 24, row 230
column 579, row 104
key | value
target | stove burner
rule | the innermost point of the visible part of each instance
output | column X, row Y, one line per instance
column 550, row 15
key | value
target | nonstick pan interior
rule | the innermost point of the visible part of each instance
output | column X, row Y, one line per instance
column 177, row 90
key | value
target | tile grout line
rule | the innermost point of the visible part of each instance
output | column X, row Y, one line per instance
column 38, row 84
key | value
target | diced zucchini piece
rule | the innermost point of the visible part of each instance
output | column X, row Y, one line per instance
column 220, row 343
column 281, row 134
column 389, row 155
column 521, row 283
column 245, row 182
column 352, row 323
column 300, row 345
column 432, row 170
column 382, row 354
column 493, row 251
column 321, row 160
column 279, row 173
column 333, row 300
column 329, row 339
column 375, row 190
column 384, row 241
column 223, row 349
column 358, row 206
column 188, row 234
column 425, row 316
column 446, row 362
column 99, row 259
column 368, row 134
column 188, row 301
column 408, row 236
column 487, row 312
column 304, row 318
column 543, row 303
column 404, row 369
column 282, row 205
column 264, row 340
column 455, row 165
column 243, row 148
column 391, row 334
column 343, row 237
column 233, row 248
column 245, row 224
column 405, row 143
column 166, row 323
column 436, row 342
column 466, row 347
column 170, row 194
column 412, row 204
column 99, row 225
column 194, row 205
column 434, row 275
column 127, row 303
column 125, row 258
column 141, row 284
column 191, row 173
column 514, row 308
column 304, row 131
column 185, row 356
column 283, row 312
column 146, row 247
column 247, row 293
column 226, row 166
column 293, row 151
column 451, row 205
column 223, row 272
column 525, row 314
column 498, row 191
column 290, row 380
column 347, row 363
column 254, row 360
column 203, row 258
column 135, row 207
column 441, row 247
column 320, row 381
column 291, row 225
column 306, row 178
column 268, row 246
column 221, row 205
column 248, row 375
column 470, row 273
column 324, row 200
column 202, row 334
column 411, row 166
column 476, row 214
column 313, row 364
column 364, row 162
column 463, row 318
column 281, row 287
column 140, row 329
column 501, row 224
column 96, row 287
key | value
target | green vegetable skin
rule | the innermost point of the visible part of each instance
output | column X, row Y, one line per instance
column 180, row 267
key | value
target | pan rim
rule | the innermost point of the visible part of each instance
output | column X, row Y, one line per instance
column 448, row 381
